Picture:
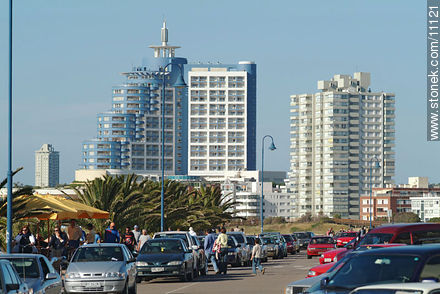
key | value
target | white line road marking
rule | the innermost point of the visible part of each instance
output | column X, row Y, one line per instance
column 277, row 266
column 181, row 288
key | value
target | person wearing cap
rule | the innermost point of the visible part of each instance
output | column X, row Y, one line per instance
column 136, row 233
column 191, row 232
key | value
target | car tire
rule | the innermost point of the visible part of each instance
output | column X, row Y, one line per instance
column 297, row 251
column 133, row 290
column 190, row 277
column 309, row 256
column 138, row 280
column 126, row 289
column 265, row 259
column 203, row 271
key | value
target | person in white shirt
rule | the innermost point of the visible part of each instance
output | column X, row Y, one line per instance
column 257, row 254
column 142, row 239
column 191, row 232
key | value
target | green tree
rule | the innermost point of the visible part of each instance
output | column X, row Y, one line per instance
column 406, row 217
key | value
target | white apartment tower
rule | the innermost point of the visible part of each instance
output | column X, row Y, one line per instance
column 222, row 118
column 47, row 166
column 337, row 136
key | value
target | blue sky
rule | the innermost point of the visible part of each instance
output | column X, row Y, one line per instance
column 68, row 54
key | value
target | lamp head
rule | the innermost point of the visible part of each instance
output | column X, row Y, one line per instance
column 272, row 147
column 180, row 83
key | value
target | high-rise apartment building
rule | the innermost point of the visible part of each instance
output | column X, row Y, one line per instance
column 222, row 118
column 129, row 136
column 47, row 166
column 337, row 136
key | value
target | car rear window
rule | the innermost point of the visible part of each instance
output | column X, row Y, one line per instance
column 376, row 238
column 302, row 235
column 323, row 240
column 353, row 234
column 288, row 238
column 238, row 237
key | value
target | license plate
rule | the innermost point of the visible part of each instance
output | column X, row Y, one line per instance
column 157, row 269
column 92, row 285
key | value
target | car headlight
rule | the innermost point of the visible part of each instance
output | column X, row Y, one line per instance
column 289, row 290
column 312, row 273
column 335, row 259
column 311, row 248
column 142, row 263
column 73, row 275
column 174, row 262
column 322, row 255
column 115, row 275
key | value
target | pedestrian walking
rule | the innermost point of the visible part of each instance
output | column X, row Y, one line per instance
column 256, row 257
column 209, row 252
column 142, row 239
column 137, row 233
column 128, row 239
column 111, row 234
column 222, row 240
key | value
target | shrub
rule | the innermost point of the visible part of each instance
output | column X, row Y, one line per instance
column 406, row 217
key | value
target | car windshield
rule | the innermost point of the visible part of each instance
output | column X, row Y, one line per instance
column 27, row 268
column 288, row 238
column 302, row 235
column 231, row 243
column 162, row 246
column 238, row 237
column 251, row 240
column 346, row 234
column 175, row 236
column 376, row 238
column 94, row 254
column 380, row 269
column 268, row 240
column 323, row 240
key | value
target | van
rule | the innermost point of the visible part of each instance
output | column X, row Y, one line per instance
column 418, row 233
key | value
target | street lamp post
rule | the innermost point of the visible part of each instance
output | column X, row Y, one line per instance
column 180, row 83
column 374, row 159
column 271, row 148
column 9, row 197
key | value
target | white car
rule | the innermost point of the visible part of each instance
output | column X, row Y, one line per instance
column 401, row 288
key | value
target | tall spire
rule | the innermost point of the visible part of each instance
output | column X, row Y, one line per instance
column 164, row 33
column 164, row 50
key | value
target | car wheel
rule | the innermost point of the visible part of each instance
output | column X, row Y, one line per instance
column 297, row 251
column 138, row 280
column 126, row 289
column 265, row 260
column 203, row 271
column 190, row 276
column 309, row 256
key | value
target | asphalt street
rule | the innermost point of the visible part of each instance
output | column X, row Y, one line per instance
column 278, row 274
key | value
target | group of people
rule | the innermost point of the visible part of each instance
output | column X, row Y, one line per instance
column 62, row 243
column 216, row 251
column 362, row 231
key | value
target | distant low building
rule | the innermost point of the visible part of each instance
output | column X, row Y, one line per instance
column 427, row 206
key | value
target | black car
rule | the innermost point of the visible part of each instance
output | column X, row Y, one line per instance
column 304, row 238
column 235, row 253
column 165, row 257
column 387, row 265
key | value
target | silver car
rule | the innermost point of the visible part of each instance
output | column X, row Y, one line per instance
column 106, row 268
column 10, row 281
column 36, row 271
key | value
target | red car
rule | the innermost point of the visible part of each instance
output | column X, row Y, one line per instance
column 319, row 244
column 319, row 269
column 337, row 254
column 345, row 238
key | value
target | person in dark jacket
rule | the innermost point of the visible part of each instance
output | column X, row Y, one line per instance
column 25, row 242
column 58, row 243
column 210, row 254
column 129, row 239
column 111, row 234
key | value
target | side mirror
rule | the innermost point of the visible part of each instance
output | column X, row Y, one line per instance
column 51, row 276
column 135, row 253
column 12, row 287
column 324, row 282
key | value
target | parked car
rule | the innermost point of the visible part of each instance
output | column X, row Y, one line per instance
column 235, row 252
column 296, row 242
column 282, row 244
column 251, row 242
column 418, row 233
column 291, row 244
column 10, row 281
column 304, row 238
column 319, row 244
column 338, row 253
column 202, row 265
column 36, row 271
column 102, row 268
column 399, row 264
column 189, row 242
column 344, row 238
column 273, row 249
column 403, row 288
column 165, row 257
column 245, row 248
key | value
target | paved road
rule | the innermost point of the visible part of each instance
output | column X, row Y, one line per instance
column 278, row 274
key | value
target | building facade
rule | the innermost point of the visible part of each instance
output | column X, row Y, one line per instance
column 337, row 135
column 47, row 166
column 129, row 136
column 222, row 118
column 426, row 206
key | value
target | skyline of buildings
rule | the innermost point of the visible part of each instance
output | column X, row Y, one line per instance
column 336, row 134
column 47, row 166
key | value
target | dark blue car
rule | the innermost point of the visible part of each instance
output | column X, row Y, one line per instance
column 165, row 257
column 388, row 265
